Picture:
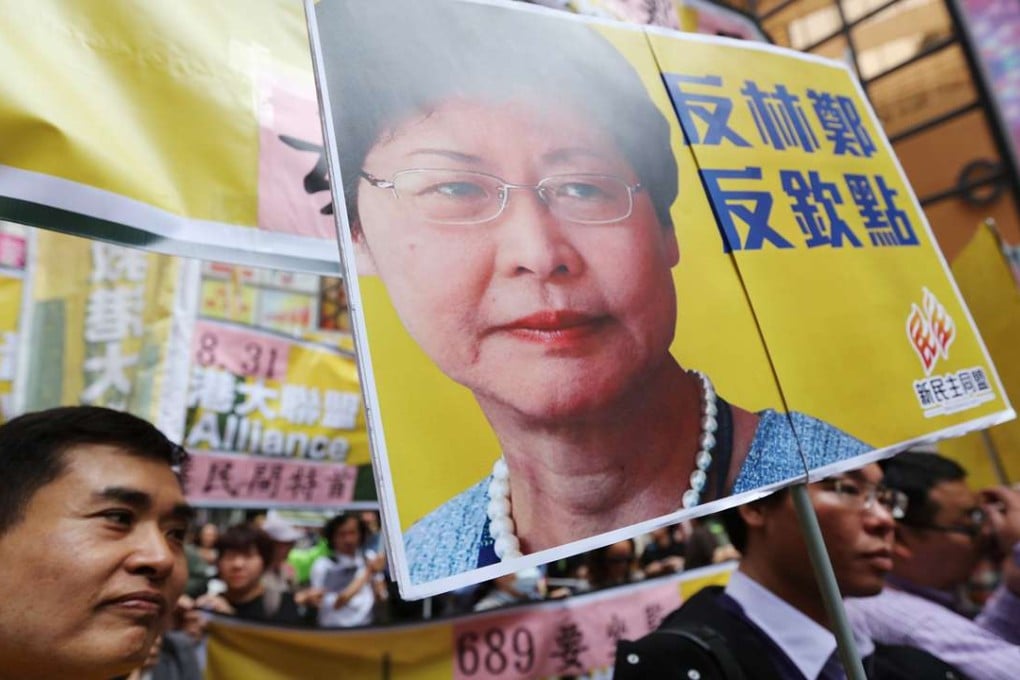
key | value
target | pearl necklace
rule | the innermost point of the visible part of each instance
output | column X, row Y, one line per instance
column 501, row 524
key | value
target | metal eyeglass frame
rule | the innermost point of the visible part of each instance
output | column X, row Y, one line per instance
column 870, row 493
column 504, row 193
column 972, row 531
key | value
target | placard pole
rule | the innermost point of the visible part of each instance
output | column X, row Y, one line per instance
column 827, row 586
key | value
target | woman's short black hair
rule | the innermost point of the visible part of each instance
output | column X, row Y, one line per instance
column 330, row 527
column 399, row 59
column 32, row 448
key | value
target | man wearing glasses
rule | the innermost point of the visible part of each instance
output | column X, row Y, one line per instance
column 769, row 621
column 939, row 540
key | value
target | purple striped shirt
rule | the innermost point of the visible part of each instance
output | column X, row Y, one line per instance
column 985, row 649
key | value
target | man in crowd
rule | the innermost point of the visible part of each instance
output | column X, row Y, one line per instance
column 770, row 620
column 244, row 552
column 945, row 531
column 92, row 525
column 664, row 553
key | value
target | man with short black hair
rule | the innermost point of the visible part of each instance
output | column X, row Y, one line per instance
column 92, row 525
column 945, row 532
column 769, row 622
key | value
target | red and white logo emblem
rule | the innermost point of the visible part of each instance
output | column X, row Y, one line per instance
column 931, row 330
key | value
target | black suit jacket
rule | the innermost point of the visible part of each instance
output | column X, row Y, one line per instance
column 711, row 634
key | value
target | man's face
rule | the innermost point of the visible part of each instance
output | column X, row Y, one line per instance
column 93, row 571
column 241, row 570
column 529, row 310
column 619, row 558
column 859, row 540
column 935, row 557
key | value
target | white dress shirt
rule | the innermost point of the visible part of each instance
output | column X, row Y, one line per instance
column 807, row 644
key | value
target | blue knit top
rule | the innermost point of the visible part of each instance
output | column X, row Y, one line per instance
column 455, row 537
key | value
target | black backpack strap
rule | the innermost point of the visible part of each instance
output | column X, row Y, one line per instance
column 900, row 662
column 687, row 651
column 702, row 635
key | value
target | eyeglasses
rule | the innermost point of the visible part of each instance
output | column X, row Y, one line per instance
column 863, row 496
column 466, row 197
column 976, row 518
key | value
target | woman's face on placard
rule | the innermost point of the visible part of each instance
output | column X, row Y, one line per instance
column 531, row 310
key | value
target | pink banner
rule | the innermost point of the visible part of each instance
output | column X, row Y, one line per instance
column 293, row 182
column 240, row 351
column 12, row 251
column 570, row 638
column 255, row 481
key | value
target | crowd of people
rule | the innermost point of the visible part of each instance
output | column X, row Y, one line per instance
column 912, row 547
column 906, row 541
column 269, row 570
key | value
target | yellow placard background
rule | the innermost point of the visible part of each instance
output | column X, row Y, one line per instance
column 437, row 440
column 422, row 652
column 834, row 320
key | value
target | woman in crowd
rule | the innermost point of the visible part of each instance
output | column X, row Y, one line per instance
column 205, row 542
column 350, row 579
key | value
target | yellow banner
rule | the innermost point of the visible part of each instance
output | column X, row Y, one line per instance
column 191, row 129
column 987, row 284
column 100, row 330
column 271, row 419
column 576, row 637
column 274, row 414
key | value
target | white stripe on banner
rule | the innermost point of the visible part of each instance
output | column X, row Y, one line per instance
column 188, row 237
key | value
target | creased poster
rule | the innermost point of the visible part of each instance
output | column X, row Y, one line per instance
column 604, row 277
column 185, row 128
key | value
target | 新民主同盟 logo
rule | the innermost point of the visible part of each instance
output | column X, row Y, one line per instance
column 931, row 332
